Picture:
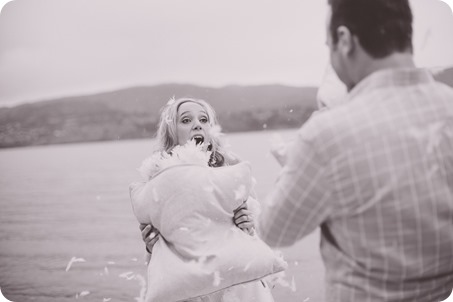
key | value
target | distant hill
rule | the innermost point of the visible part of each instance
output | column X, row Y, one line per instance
column 445, row 75
column 134, row 112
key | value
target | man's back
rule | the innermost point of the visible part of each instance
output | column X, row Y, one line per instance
column 390, row 234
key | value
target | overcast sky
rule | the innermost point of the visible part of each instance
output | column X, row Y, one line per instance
column 52, row 48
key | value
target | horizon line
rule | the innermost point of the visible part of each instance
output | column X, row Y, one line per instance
column 54, row 97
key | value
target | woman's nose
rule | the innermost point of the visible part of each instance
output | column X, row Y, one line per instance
column 197, row 125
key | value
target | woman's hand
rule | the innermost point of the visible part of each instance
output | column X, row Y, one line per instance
column 243, row 219
column 150, row 235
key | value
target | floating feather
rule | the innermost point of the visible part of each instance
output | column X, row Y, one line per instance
column 73, row 260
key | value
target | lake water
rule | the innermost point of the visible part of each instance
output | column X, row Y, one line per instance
column 64, row 201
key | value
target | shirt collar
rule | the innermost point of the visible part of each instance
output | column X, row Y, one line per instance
column 391, row 78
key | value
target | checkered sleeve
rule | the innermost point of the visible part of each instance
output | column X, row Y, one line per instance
column 298, row 202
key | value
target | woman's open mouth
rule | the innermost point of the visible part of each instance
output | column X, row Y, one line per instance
column 199, row 139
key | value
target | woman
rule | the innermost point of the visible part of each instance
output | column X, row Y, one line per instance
column 186, row 120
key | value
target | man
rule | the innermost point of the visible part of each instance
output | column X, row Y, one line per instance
column 376, row 171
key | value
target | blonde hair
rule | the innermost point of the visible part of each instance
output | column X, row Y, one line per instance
column 167, row 137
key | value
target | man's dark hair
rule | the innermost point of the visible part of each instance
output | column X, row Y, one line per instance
column 381, row 26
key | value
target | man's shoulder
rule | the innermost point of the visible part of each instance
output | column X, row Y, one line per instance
column 444, row 88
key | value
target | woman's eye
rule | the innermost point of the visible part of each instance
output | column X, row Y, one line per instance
column 185, row 120
column 204, row 120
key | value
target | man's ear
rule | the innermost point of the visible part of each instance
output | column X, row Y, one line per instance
column 346, row 42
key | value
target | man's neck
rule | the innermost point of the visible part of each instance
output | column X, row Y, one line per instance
column 396, row 60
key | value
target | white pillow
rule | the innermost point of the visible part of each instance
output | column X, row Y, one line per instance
column 201, row 251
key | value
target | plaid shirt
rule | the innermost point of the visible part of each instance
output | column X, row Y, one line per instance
column 376, row 173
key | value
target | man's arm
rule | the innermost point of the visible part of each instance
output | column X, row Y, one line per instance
column 299, row 201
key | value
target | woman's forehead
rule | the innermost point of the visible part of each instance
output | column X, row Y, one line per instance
column 191, row 107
